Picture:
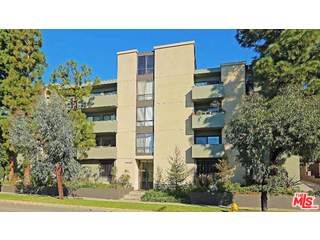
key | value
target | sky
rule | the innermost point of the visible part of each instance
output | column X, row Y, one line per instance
column 98, row 48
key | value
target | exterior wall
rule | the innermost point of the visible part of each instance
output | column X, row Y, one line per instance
column 233, row 78
column 174, row 78
column 292, row 165
column 126, row 115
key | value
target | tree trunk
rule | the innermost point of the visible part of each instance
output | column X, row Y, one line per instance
column 264, row 201
column 26, row 175
column 59, row 180
column 11, row 172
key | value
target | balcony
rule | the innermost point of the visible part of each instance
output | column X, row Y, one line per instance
column 205, row 120
column 207, row 92
column 102, row 153
column 207, row 150
column 105, row 126
column 101, row 101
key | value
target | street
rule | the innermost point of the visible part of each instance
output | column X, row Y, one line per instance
column 13, row 206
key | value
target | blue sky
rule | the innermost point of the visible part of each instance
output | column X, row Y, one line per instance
column 98, row 48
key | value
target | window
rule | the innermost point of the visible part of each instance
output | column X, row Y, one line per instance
column 145, row 90
column 102, row 92
column 145, row 116
column 205, row 167
column 144, row 143
column 102, row 117
column 208, row 140
column 105, row 141
column 106, row 169
column 145, row 65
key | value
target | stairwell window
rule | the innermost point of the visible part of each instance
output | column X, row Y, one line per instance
column 145, row 90
column 144, row 143
column 145, row 64
column 145, row 116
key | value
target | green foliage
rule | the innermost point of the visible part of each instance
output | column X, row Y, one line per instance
column 4, row 163
column 22, row 64
column 266, row 131
column 224, row 171
column 46, row 138
column 73, row 185
column 74, row 85
column 285, row 57
column 159, row 181
column 84, row 136
column 158, row 196
column 124, row 179
column 167, row 195
column 237, row 188
column 178, row 171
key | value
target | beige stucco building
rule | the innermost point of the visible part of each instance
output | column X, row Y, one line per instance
column 160, row 101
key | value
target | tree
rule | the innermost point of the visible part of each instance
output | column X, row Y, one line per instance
column 224, row 171
column 178, row 171
column 284, row 57
column 4, row 164
column 74, row 84
column 21, row 67
column 47, row 139
column 266, row 131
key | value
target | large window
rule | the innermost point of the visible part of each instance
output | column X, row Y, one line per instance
column 99, row 92
column 144, row 143
column 105, row 141
column 145, row 64
column 205, row 167
column 145, row 90
column 208, row 139
column 145, row 116
column 106, row 169
column 101, row 117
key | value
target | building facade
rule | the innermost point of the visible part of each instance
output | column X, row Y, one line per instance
column 160, row 101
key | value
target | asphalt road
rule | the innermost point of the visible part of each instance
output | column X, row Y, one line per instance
column 8, row 206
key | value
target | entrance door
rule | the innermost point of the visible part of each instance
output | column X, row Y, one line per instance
column 146, row 174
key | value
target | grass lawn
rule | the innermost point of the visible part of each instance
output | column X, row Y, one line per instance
column 156, row 207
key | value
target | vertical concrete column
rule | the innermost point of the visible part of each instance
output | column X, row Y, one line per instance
column 233, row 78
column 126, row 115
column 174, row 78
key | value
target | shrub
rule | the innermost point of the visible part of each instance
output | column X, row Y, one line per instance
column 164, row 196
column 124, row 179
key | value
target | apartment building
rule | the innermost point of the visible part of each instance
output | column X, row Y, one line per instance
column 160, row 101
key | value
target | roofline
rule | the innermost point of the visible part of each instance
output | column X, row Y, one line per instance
column 174, row 45
column 127, row 51
column 234, row 63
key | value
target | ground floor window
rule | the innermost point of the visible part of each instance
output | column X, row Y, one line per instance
column 106, row 169
column 206, row 166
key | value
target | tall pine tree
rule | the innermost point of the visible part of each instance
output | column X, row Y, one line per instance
column 22, row 64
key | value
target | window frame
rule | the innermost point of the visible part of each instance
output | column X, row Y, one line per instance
column 143, row 148
column 145, row 122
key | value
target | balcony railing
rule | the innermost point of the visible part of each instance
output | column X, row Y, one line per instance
column 208, row 119
column 207, row 92
column 207, row 150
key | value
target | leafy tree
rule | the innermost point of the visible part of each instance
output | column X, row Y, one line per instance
column 21, row 66
column 4, row 164
column 224, row 171
column 74, row 84
column 284, row 57
column 47, row 140
column 266, row 131
column 178, row 171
